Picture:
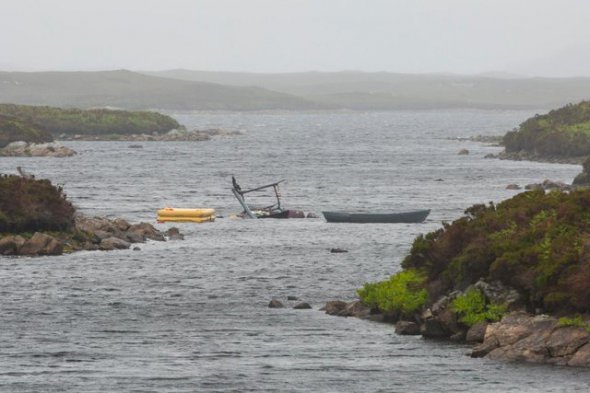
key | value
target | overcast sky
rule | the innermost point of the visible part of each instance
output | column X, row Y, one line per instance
column 533, row 37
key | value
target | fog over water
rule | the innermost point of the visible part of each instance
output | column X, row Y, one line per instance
column 530, row 37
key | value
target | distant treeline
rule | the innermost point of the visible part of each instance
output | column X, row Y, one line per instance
column 100, row 122
column 563, row 132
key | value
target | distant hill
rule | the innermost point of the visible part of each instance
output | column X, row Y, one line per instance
column 130, row 90
column 383, row 90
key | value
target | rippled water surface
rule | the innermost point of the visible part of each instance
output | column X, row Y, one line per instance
column 186, row 316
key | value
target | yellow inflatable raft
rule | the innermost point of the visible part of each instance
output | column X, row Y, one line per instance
column 172, row 214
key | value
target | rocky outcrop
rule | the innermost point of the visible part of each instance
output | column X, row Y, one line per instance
column 41, row 244
column 518, row 336
column 548, row 185
column 9, row 245
column 24, row 149
column 90, row 233
column 535, row 339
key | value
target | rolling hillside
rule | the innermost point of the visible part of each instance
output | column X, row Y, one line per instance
column 130, row 90
column 383, row 90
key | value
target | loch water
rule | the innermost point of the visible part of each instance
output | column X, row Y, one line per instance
column 192, row 316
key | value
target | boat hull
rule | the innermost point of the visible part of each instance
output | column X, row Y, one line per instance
column 415, row 216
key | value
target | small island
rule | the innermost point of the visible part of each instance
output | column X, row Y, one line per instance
column 37, row 219
column 562, row 135
column 33, row 130
column 513, row 278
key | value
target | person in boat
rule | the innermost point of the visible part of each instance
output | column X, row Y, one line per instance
column 235, row 184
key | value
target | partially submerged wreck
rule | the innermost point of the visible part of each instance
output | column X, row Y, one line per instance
column 274, row 210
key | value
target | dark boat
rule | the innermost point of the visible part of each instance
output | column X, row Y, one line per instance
column 415, row 216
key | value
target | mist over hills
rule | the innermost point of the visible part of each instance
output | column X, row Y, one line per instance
column 385, row 90
column 131, row 90
column 349, row 90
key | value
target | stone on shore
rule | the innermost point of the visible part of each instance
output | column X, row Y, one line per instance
column 114, row 243
column 476, row 333
column 41, row 244
column 24, row 149
column 407, row 328
column 10, row 245
column 334, row 307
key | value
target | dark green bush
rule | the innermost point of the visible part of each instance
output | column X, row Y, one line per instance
column 28, row 205
column 535, row 242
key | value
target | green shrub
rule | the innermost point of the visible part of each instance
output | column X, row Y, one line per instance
column 403, row 293
column 576, row 321
column 472, row 308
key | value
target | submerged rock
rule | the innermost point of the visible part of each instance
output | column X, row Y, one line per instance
column 407, row 328
column 334, row 307
column 302, row 306
column 274, row 303
column 338, row 250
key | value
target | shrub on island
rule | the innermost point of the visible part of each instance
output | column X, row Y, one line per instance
column 96, row 122
column 537, row 243
column 563, row 132
column 28, row 205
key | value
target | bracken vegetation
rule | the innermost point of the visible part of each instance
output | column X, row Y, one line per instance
column 99, row 122
column 401, row 295
column 563, row 132
column 473, row 308
column 28, row 205
column 535, row 242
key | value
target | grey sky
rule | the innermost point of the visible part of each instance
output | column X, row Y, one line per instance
column 548, row 37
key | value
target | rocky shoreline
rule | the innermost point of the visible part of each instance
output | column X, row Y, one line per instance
column 525, row 156
column 25, row 149
column 89, row 233
column 176, row 135
column 519, row 336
